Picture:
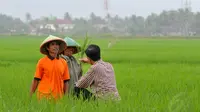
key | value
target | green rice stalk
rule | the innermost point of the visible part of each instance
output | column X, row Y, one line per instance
column 86, row 42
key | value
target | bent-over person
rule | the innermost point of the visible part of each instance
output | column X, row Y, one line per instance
column 100, row 77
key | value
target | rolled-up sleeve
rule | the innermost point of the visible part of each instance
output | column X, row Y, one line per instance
column 87, row 79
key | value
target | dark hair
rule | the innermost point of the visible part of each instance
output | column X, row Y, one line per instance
column 93, row 52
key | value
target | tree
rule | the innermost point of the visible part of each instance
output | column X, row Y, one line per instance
column 28, row 17
column 9, row 24
column 67, row 16
column 93, row 18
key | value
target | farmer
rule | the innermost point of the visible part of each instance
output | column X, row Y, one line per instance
column 74, row 67
column 100, row 77
column 52, row 75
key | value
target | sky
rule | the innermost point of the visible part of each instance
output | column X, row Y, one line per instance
column 83, row 8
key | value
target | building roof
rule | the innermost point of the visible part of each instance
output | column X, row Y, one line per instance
column 63, row 21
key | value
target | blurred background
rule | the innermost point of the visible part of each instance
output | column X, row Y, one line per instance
column 101, row 17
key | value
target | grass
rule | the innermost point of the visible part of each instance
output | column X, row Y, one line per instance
column 152, row 76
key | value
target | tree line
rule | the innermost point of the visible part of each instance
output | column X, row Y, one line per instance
column 181, row 22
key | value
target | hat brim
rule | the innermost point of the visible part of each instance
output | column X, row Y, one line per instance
column 77, row 49
column 62, row 46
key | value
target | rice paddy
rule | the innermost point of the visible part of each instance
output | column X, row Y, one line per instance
column 153, row 75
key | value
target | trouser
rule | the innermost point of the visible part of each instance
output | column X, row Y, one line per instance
column 83, row 93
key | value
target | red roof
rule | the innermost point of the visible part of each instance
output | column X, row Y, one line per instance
column 63, row 21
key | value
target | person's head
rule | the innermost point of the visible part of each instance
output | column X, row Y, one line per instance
column 72, row 47
column 52, row 45
column 93, row 53
column 69, row 51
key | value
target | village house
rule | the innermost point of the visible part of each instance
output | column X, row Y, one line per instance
column 60, row 25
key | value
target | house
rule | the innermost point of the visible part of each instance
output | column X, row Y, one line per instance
column 57, row 25
column 64, row 24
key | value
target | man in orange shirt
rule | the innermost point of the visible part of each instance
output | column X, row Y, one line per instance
column 52, row 74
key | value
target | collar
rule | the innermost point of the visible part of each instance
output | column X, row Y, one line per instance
column 68, row 57
column 52, row 58
column 97, row 61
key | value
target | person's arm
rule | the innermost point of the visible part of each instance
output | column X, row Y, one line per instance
column 37, row 78
column 66, row 86
column 87, row 79
column 66, row 78
column 84, row 60
column 34, row 85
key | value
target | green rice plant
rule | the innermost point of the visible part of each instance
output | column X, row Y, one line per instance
column 86, row 42
column 152, row 75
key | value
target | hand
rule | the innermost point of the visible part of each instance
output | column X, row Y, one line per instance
column 84, row 60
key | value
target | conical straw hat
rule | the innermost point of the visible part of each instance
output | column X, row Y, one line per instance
column 50, row 38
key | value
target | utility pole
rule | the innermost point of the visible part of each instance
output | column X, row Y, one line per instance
column 186, row 6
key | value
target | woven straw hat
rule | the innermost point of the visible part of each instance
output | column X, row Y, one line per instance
column 50, row 38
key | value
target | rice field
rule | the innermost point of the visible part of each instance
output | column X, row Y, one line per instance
column 153, row 75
